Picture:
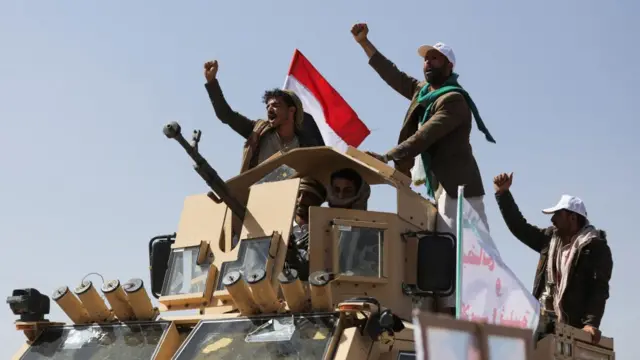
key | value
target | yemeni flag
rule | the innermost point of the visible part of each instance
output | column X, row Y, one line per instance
column 336, row 120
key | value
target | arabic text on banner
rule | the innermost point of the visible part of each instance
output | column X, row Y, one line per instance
column 490, row 291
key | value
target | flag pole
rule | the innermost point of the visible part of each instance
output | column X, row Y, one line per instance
column 296, row 52
column 459, row 252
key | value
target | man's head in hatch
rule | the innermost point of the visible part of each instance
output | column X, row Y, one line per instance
column 283, row 108
column 439, row 61
column 348, row 190
column 310, row 193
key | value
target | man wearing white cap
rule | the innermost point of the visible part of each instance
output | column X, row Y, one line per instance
column 575, row 260
column 435, row 132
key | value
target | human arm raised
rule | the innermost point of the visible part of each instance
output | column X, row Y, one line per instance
column 404, row 84
column 238, row 122
column 534, row 237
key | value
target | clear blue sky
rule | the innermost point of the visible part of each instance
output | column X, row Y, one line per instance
column 85, row 88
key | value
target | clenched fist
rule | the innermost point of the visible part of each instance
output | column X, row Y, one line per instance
column 360, row 32
column 502, row 182
column 210, row 70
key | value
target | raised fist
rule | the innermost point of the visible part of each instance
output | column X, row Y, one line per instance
column 210, row 70
column 502, row 182
column 360, row 32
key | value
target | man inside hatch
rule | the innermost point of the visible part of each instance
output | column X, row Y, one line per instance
column 348, row 190
column 575, row 260
column 358, row 248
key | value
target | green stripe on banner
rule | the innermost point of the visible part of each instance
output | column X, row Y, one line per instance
column 459, row 252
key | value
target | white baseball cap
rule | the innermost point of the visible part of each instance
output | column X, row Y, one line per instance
column 568, row 202
column 443, row 48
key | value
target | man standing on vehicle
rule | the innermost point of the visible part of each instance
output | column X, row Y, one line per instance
column 283, row 129
column 436, row 127
column 575, row 260
column 287, row 127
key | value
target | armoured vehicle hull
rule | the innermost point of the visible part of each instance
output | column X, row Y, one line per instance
column 347, row 284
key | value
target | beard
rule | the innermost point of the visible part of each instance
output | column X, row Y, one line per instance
column 435, row 76
column 562, row 231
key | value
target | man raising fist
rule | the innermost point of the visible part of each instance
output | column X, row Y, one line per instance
column 210, row 70
column 575, row 260
column 281, row 130
column 435, row 130
column 286, row 127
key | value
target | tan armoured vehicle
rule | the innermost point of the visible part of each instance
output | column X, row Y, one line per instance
column 255, row 285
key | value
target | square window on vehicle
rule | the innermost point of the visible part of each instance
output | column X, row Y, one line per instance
column 360, row 251
column 252, row 254
column 185, row 275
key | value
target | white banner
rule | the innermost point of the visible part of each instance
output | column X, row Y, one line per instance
column 490, row 291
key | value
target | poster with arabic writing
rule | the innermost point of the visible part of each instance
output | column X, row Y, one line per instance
column 490, row 291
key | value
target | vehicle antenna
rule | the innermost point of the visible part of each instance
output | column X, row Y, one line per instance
column 92, row 273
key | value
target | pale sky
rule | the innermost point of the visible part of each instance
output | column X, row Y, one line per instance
column 86, row 87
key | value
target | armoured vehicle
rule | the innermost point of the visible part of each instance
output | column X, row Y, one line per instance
column 347, row 285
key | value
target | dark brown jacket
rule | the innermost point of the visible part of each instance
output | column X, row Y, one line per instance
column 445, row 136
column 587, row 289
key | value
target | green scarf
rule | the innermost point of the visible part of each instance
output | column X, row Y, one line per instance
column 428, row 98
